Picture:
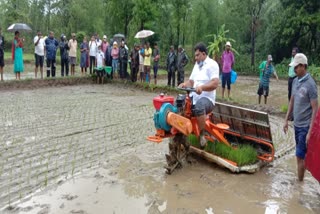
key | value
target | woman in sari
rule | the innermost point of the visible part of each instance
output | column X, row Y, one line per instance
column 17, row 54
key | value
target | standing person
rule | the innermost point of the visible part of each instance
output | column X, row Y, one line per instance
column 227, row 61
column 104, row 47
column 39, row 52
column 205, row 79
column 108, row 54
column 1, row 54
column 115, row 58
column 17, row 54
column 141, row 62
column 73, row 45
column 100, row 65
column 267, row 71
column 64, row 55
column 93, row 48
column 292, row 76
column 181, row 63
column 84, row 48
column 134, row 56
column 304, row 104
column 123, row 56
column 147, row 62
column 156, row 58
column 171, row 66
column 291, row 73
column 51, row 51
column 98, row 40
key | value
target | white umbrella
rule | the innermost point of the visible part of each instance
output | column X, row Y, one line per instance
column 19, row 27
column 143, row 34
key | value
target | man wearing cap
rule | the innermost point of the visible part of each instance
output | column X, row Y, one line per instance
column 227, row 62
column 266, row 73
column 39, row 48
column 1, row 54
column 304, row 104
column 64, row 55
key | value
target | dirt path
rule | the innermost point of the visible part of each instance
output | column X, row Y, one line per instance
column 82, row 149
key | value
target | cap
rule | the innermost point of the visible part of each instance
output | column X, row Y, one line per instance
column 228, row 44
column 180, row 46
column 269, row 57
column 105, row 37
column 62, row 35
column 299, row 58
column 115, row 43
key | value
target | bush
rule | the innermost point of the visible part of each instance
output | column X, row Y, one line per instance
column 243, row 65
column 314, row 71
column 283, row 67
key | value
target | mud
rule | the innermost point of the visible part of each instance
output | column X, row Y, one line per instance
column 82, row 149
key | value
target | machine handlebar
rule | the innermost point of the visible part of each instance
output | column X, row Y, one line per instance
column 187, row 89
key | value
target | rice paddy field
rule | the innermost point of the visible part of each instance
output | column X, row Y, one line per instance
column 83, row 149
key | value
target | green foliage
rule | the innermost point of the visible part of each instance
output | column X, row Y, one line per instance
column 80, row 35
column 243, row 65
column 283, row 68
column 242, row 155
column 216, row 47
column 184, row 22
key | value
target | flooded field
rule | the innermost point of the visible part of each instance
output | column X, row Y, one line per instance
column 83, row 149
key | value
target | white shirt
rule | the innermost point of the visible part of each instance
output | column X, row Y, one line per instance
column 93, row 46
column 201, row 76
column 39, row 48
column 100, row 58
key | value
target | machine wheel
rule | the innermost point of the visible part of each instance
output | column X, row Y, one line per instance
column 178, row 151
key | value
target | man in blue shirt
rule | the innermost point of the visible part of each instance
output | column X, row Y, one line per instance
column 51, row 51
column 304, row 105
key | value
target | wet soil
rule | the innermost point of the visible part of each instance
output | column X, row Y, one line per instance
column 83, row 149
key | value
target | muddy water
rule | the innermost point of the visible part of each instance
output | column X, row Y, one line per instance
column 126, row 175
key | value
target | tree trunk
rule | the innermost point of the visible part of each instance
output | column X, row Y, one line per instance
column 253, row 41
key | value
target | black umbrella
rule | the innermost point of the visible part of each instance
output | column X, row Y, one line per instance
column 19, row 27
column 118, row 35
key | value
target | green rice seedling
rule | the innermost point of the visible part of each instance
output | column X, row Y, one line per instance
column 243, row 155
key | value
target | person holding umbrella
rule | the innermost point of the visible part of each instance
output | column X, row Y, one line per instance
column 17, row 54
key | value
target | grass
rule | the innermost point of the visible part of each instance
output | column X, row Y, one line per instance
column 243, row 155
column 284, row 108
